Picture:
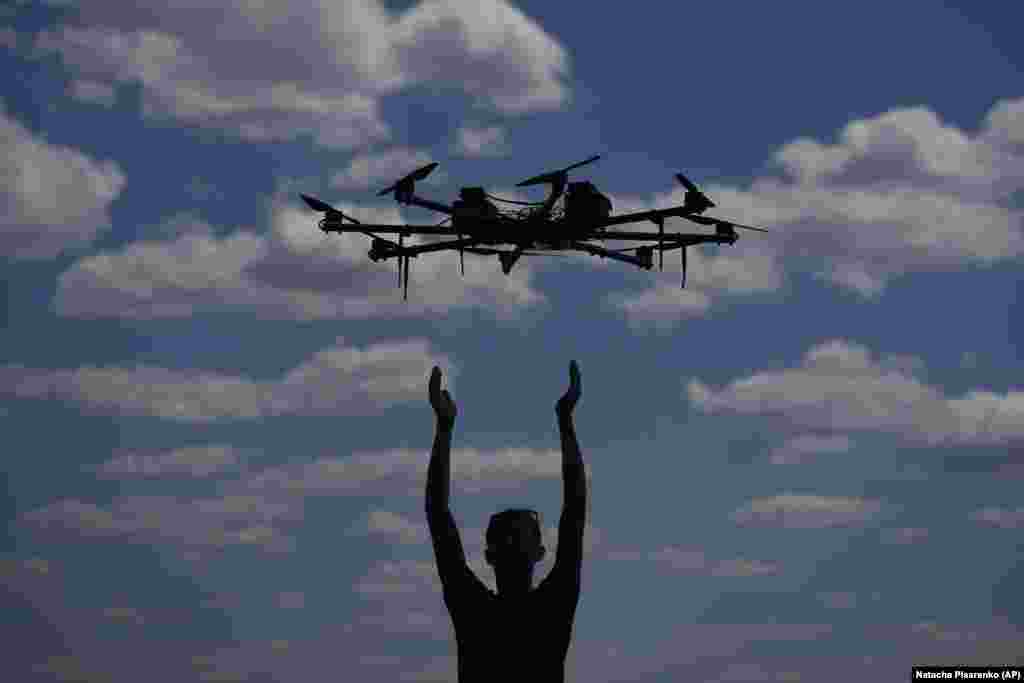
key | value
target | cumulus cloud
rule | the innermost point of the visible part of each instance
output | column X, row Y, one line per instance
column 192, row 524
column 480, row 142
column 805, row 446
column 399, row 577
column 93, row 92
column 801, row 511
column 259, row 507
column 388, row 165
column 193, row 461
column 52, row 197
column 839, row 387
column 295, row 272
column 899, row 192
column 340, row 380
column 374, row 472
column 1002, row 518
column 696, row 561
column 275, row 70
column 387, row 523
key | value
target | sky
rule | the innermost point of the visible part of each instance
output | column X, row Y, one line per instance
column 806, row 463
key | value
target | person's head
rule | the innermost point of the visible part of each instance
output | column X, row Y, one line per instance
column 514, row 539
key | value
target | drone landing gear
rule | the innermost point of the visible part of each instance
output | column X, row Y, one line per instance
column 682, row 262
column 403, row 270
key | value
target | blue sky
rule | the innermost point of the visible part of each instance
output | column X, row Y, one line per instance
column 808, row 461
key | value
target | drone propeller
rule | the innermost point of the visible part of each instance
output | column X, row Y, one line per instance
column 316, row 204
column 693, row 194
column 326, row 208
column 555, row 176
column 708, row 220
column 407, row 181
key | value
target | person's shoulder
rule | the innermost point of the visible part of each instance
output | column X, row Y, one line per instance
column 468, row 586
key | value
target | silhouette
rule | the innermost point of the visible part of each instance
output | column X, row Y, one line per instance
column 520, row 633
column 572, row 218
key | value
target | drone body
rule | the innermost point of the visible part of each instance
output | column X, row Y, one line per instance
column 539, row 228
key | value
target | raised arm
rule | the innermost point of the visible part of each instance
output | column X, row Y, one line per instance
column 448, row 550
column 569, row 556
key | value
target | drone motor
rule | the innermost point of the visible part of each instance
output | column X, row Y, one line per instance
column 584, row 203
column 471, row 207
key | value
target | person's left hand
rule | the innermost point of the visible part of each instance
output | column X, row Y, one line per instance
column 441, row 401
column 567, row 403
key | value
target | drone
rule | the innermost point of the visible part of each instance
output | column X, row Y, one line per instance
column 572, row 218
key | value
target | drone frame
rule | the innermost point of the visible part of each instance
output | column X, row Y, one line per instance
column 505, row 229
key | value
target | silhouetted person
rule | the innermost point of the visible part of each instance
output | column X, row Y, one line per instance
column 520, row 633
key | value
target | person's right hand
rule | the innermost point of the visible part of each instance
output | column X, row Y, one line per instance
column 441, row 401
column 567, row 403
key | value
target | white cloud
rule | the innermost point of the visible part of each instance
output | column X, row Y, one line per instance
column 1004, row 123
column 691, row 560
column 196, row 524
column 388, row 523
column 275, row 70
column 839, row 387
column 480, row 142
column 295, row 272
column 194, row 461
column 371, row 473
column 387, row 166
column 803, row 447
column 493, row 50
column 340, row 380
column 900, row 192
column 662, row 305
column 52, row 197
column 93, row 92
column 800, row 511
column 1003, row 518
column 399, row 577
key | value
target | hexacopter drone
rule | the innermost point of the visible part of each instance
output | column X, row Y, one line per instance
column 538, row 228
